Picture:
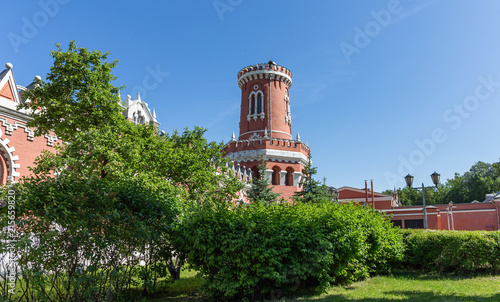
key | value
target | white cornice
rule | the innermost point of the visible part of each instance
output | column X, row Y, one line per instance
column 259, row 74
column 268, row 154
column 268, row 131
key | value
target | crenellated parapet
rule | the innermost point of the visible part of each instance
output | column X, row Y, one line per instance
column 265, row 71
column 260, row 143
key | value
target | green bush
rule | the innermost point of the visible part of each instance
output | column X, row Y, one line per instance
column 267, row 251
column 85, row 239
column 462, row 252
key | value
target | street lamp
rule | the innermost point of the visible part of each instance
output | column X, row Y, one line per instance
column 435, row 179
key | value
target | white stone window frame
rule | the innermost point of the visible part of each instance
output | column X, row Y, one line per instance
column 288, row 111
column 256, row 115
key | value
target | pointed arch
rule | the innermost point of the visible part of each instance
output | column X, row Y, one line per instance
column 255, row 105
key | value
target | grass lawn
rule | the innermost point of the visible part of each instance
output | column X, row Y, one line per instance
column 407, row 286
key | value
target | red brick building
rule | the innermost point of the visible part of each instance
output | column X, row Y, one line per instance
column 18, row 145
column 459, row 216
column 265, row 129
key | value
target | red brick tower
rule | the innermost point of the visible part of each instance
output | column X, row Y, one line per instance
column 266, row 128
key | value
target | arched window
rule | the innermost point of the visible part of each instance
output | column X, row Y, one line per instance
column 255, row 105
column 252, row 104
column 276, row 176
column 289, row 177
column 256, row 173
column 259, row 103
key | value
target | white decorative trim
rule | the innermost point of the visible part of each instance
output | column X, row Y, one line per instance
column 256, row 105
column 10, row 159
column 279, row 73
column 269, row 154
column 9, row 128
column 51, row 139
column 272, row 131
column 297, row 178
column 288, row 111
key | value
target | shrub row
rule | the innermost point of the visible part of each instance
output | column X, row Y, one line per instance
column 463, row 252
column 262, row 251
column 83, row 239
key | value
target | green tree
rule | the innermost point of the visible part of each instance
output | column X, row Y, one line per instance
column 78, row 95
column 312, row 190
column 121, row 181
column 261, row 191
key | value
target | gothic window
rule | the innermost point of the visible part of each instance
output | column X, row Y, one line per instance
column 276, row 176
column 259, row 103
column 288, row 114
column 252, row 105
column 256, row 173
column 255, row 105
column 289, row 177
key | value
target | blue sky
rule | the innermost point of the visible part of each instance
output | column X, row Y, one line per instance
column 380, row 88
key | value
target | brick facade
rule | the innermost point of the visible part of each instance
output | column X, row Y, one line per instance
column 265, row 128
column 18, row 145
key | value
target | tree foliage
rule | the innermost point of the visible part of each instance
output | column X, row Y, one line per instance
column 261, row 191
column 264, row 252
column 464, row 252
column 481, row 179
column 119, row 188
column 78, row 94
column 312, row 190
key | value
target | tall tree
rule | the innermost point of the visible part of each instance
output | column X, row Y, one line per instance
column 312, row 190
column 261, row 191
column 77, row 96
column 80, row 105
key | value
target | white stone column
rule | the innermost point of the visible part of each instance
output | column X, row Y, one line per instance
column 297, row 177
column 269, row 175
column 282, row 178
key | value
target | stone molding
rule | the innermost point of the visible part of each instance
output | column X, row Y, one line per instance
column 269, row 154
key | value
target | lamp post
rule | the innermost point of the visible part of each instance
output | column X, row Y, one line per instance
column 409, row 182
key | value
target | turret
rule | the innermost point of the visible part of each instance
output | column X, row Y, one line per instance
column 265, row 101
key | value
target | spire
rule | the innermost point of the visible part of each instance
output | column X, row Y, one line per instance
column 233, row 137
column 138, row 95
column 298, row 137
column 265, row 133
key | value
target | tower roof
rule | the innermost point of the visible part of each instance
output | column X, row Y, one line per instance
column 265, row 70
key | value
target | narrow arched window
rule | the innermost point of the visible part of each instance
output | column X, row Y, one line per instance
column 289, row 177
column 259, row 103
column 252, row 105
column 256, row 172
column 276, row 176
